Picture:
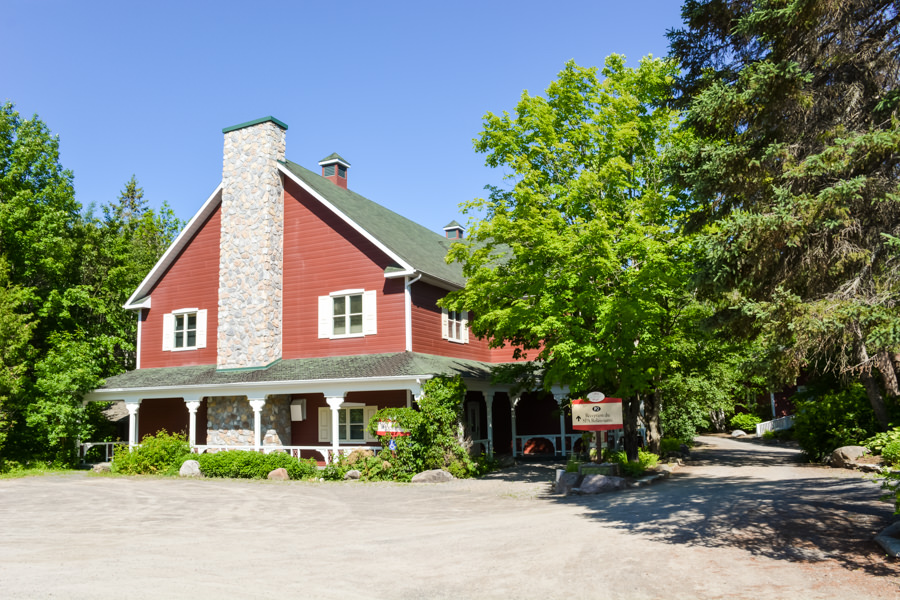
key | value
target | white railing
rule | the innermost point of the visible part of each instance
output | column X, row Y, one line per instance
column 775, row 425
column 295, row 451
column 106, row 452
column 554, row 438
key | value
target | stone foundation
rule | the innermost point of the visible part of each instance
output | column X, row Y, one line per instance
column 230, row 421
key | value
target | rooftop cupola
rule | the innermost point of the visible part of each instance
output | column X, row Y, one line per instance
column 454, row 231
column 334, row 169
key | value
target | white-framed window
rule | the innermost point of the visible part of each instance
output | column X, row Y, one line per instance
column 455, row 325
column 184, row 329
column 353, row 424
column 347, row 313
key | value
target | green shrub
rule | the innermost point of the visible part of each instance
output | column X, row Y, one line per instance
column 160, row 454
column 877, row 442
column 646, row 460
column 669, row 444
column 744, row 422
column 768, row 435
column 247, row 464
column 834, row 419
column 891, row 453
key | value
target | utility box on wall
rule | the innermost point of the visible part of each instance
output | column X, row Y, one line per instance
column 298, row 409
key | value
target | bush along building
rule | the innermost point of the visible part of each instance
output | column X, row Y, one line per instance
column 291, row 308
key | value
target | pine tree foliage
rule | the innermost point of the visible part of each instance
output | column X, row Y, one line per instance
column 794, row 172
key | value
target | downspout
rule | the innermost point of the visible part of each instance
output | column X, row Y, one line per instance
column 407, row 296
column 137, row 360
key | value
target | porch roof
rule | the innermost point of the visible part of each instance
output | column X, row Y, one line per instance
column 374, row 366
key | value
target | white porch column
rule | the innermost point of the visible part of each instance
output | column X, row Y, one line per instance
column 512, row 410
column 560, row 397
column 132, row 406
column 192, row 403
column 335, row 403
column 489, row 406
column 257, row 405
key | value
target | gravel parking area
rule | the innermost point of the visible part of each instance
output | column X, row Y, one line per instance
column 741, row 521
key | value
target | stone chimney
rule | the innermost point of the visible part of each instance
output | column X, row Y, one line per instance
column 334, row 169
column 251, row 245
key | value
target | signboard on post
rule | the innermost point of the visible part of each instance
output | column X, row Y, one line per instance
column 597, row 415
column 391, row 428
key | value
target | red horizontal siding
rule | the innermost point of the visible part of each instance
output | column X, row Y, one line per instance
column 426, row 330
column 323, row 254
column 192, row 280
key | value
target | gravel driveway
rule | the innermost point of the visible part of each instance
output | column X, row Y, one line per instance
column 742, row 521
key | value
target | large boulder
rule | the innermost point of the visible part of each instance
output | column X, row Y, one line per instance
column 432, row 476
column 844, row 456
column 101, row 468
column 567, row 482
column 352, row 474
column 279, row 475
column 596, row 484
column 738, row 433
column 190, row 468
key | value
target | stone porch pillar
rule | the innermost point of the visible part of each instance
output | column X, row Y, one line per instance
column 257, row 405
column 132, row 406
column 489, row 406
column 192, row 403
column 335, row 403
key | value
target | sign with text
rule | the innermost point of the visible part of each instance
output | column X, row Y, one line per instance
column 602, row 415
column 390, row 427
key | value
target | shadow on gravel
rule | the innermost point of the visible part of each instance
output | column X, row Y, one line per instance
column 800, row 520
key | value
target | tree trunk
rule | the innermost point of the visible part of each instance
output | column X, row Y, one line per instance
column 630, row 412
column 652, row 406
column 718, row 419
column 888, row 373
column 865, row 376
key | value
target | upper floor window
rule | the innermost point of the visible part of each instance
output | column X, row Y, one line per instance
column 455, row 325
column 347, row 313
column 184, row 329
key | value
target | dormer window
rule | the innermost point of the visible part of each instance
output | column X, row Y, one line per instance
column 334, row 169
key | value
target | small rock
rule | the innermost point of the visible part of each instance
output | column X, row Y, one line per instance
column 506, row 461
column 352, row 474
column 279, row 475
column 190, row 468
column 738, row 433
column 889, row 539
column 844, row 456
column 596, row 484
column 432, row 476
column 100, row 468
column 566, row 482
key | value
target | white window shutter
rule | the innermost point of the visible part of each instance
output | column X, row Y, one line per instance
column 465, row 326
column 326, row 307
column 445, row 324
column 201, row 328
column 324, row 424
column 168, row 331
column 368, row 413
column 370, row 319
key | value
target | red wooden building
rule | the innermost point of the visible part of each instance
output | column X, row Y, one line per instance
column 291, row 308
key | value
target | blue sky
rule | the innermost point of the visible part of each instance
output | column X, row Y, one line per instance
column 397, row 88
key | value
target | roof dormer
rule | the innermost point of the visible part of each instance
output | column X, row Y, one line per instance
column 454, row 231
column 334, row 169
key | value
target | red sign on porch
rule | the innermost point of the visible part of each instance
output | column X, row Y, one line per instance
column 391, row 428
column 602, row 415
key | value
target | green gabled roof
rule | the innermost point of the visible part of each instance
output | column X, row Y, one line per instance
column 416, row 245
column 397, row 364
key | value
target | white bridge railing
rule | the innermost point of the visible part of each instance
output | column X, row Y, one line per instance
column 775, row 425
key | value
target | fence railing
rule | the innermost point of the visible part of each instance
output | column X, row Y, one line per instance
column 775, row 425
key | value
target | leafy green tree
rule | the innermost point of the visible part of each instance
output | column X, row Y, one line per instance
column 793, row 132
column 15, row 350
column 579, row 261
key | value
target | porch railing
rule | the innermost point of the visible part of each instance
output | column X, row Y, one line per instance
column 775, row 425
column 107, row 448
column 554, row 439
column 105, row 454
